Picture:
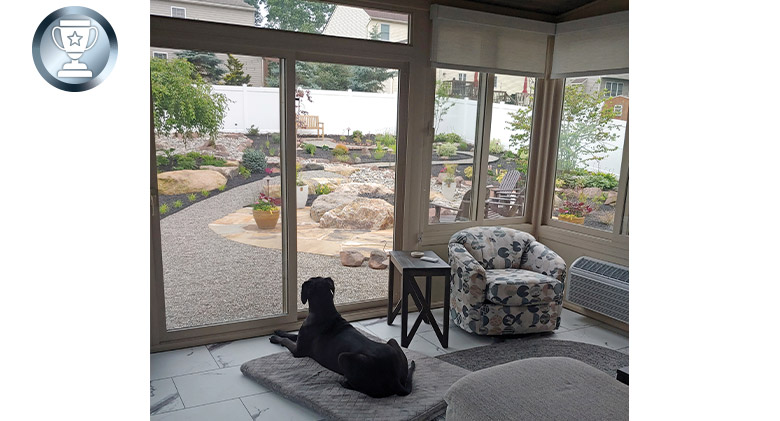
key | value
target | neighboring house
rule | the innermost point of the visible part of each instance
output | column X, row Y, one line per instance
column 614, row 86
column 356, row 22
column 225, row 11
column 620, row 105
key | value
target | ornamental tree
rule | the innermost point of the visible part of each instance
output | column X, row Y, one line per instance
column 235, row 75
column 183, row 102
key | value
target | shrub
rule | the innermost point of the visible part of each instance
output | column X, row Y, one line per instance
column 177, row 204
column 322, row 189
column 192, row 197
column 243, row 172
column 185, row 162
column 276, row 137
column 357, row 133
column 254, row 160
column 496, row 147
column 343, row 158
column 163, row 209
column 342, row 138
column 340, row 150
column 448, row 138
column 379, row 152
column 222, row 187
column 446, row 150
column 463, row 146
column 468, row 172
column 205, row 193
column 604, row 181
column 162, row 161
column 212, row 160
column 357, row 139
column 325, row 148
column 309, row 148
column 252, row 130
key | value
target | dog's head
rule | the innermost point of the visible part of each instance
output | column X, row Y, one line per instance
column 317, row 288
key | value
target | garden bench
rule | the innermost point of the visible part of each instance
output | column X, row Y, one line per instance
column 311, row 122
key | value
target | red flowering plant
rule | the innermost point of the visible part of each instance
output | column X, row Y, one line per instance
column 578, row 209
column 266, row 203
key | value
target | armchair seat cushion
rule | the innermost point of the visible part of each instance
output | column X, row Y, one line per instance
column 519, row 287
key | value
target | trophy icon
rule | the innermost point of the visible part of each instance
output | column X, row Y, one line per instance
column 74, row 35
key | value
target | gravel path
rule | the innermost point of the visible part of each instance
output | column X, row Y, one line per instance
column 209, row 279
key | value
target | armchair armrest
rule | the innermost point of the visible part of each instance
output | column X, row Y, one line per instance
column 545, row 261
column 468, row 276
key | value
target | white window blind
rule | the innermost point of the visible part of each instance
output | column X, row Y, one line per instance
column 487, row 42
column 591, row 46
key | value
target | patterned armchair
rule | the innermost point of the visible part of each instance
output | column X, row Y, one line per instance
column 504, row 282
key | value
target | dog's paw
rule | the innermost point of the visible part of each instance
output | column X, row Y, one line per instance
column 275, row 339
column 280, row 333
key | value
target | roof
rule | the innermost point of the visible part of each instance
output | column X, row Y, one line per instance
column 232, row 3
column 383, row 15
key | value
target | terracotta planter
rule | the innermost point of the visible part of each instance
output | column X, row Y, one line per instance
column 572, row 219
column 266, row 219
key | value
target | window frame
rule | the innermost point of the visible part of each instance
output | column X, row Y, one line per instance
column 155, row 53
column 382, row 32
column 184, row 9
column 618, row 109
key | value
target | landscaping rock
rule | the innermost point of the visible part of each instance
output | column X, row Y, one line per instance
column 326, row 202
column 312, row 166
column 591, row 192
column 373, row 189
column 611, row 198
column 345, row 170
column 362, row 213
column 378, row 259
column 557, row 201
column 271, row 186
column 228, row 172
column 351, row 258
column 189, row 181
column 318, row 177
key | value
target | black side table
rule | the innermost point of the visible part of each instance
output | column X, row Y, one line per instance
column 409, row 267
column 622, row 375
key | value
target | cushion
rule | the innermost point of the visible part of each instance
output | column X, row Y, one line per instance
column 306, row 382
column 495, row 247
column 553, row 388
column 519, row 287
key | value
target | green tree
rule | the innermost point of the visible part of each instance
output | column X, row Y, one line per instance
column 296, row 15
column 235, row 75
column 207, row 65
column 183, row 102
column 441, row 104
column 586, row 129
column 333, row 77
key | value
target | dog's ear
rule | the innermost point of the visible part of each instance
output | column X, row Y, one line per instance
column 305, row 292
column 331, row 286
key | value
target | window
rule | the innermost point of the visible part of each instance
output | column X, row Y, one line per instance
column 384, row 32
column 461, row 77
column 590, row 156
column 158, row 54
column 178, row 12
column 613, row 89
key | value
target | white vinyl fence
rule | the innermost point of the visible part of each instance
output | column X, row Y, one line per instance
column 343, row 112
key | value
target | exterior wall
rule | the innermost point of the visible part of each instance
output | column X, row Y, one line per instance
column 618, row 100
column 347, row 22
column 253, row 66
column 209, row 11
column 398, row 31
column 615, row 78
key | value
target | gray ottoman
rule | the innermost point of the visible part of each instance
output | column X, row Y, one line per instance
column 555, row 388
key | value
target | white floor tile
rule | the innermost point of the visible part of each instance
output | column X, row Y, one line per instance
column 180, row 362
column 232, row 410
column 458, row 340
column 596, row 335
column 214, row 386
column 231, row 354
column 385, row 331
column 163, row 397
column 270, row 406
column 573, row 321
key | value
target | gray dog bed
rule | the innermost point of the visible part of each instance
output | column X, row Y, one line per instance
column 306, row 382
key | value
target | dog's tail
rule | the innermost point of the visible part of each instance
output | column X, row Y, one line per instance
column 407, row 388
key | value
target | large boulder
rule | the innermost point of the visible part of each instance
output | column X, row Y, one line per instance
column 591, row 192
column 189, row 181
column 313, row 179
column 227, row 171
column 362, row 213
column 351, row 258
column 378, row 259
column 345, row 170
column 368, row 189
column 326, row 202
column 611, row 198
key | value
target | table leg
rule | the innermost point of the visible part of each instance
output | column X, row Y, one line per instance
column 446, row 320
column 390, row 313
column 404, row 310
column 428, row 296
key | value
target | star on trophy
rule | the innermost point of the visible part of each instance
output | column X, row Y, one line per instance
column 74, row 35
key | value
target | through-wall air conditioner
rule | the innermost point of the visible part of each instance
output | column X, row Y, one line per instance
column 599, row 286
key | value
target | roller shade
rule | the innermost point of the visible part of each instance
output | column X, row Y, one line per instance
column 487, row 42
column 591, row 46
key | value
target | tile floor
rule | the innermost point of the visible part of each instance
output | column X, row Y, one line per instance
column 205, row 382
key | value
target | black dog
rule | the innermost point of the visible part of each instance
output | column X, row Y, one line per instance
column 376, row 369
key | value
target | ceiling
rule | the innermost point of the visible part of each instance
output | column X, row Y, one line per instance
column 547, row 7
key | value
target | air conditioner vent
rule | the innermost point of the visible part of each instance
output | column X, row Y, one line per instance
column 599, row 286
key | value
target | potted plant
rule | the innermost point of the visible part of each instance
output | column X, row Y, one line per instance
column 573, row 212
column 301, row 189
column 266, row 211
column 448, row 187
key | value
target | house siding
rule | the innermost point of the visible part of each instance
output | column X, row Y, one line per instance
column 347, row 22
column 212, row 12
